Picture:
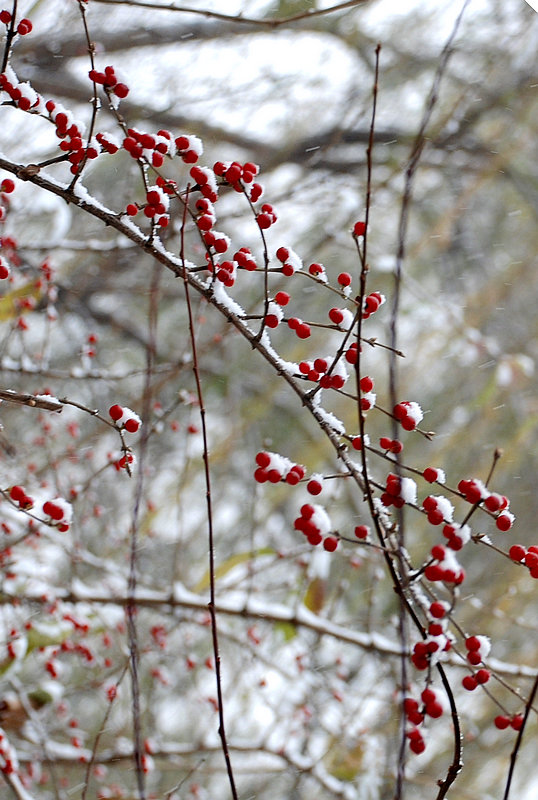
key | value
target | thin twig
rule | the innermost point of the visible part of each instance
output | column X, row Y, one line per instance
column 519, row 739
column 239, row 18
column 209, row 506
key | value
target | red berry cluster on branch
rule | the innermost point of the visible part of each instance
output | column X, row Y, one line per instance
column 109, row 80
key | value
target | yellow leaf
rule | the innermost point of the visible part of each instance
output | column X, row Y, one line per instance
column 11, row 304
column 314, row 598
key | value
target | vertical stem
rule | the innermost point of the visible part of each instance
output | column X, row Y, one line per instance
column 131, row 609
column 209, row 506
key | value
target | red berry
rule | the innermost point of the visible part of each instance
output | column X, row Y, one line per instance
column 314, row 487
column 408, row 423
column 493, row 502
column 359, row 229
column 501, row 722
column 17, row 493
column 517, row 552
column 434, row 709
column 399, row 411
column 503, row 522
column 7, row 186
column 282, row 298
column 474, row 657
column 366, row 384
column 336, row 316
column 438, row 551
column 274, row 476
column 330, row 543
column 115, row 412
column 482, row 676
column 264, row 221
column 472, row 643
column 516, row 722
column 417, row 746
column 344, row 279
column 361, row 531
column 430, row 503
column 283, row 254
column 303, row 330
column 132, row 425
column 430, row 474
column 469, row 683
column 260, row 475
column 437, row 610
column 24, row 27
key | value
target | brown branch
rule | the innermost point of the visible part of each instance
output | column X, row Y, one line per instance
column 237, row 18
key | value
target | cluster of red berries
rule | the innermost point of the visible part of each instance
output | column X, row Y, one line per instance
column 24, row 26
column 372, row 303
column 205, row 182
column 19, row 496
column 529, row 557
column 478, row 678
column 398, row 491
column 69, row 132
column 315, row 524
column 59, row 512
column 151, row 146
column 266, row 217
column 368, row 396
column 291, row 263
column 390, row 445
column 274, row 314
column 444, row 566
column 125, row 418
column 9, row 762
column 478, row 648
column 238, row 175
column 438, row 509
column 122, row 460
column 109, row 80
column 415, row 712
column 21, row 93
column 274, row 468
column 226, row 271
column 475, row 492
column 432, row 646
column 408, row 413
column 456, row 536
column 189, row 148
column 301, row 329
column 502, row 722
column 318, row 371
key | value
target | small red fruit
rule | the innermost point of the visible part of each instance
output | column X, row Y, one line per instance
column 116, row 412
